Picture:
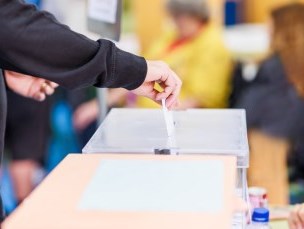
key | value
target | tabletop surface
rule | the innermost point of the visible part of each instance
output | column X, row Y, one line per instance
column 67, row 198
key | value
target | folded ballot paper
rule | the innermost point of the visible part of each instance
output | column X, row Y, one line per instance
column 168, row 119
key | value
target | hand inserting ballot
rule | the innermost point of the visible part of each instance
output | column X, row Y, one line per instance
column 159, row 72
column 29, row 86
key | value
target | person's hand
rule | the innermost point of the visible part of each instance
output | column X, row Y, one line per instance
column 296, row 217
column 85, row 114
column 159, row 72
column 29, row 86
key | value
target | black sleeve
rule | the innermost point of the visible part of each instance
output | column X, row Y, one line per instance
column 34, row 43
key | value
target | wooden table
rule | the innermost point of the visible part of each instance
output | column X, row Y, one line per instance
column 55, row 203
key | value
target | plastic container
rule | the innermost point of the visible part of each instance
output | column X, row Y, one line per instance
column 260, row 219
column 197, row 132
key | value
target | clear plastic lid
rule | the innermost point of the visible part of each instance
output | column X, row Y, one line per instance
column 197, row 131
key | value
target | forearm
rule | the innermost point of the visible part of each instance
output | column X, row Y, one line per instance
column 35, row 43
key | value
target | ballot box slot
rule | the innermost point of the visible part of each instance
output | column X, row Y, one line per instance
column 166, row 152
column 162, row 151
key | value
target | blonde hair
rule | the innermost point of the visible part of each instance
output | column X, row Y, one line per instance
column 288, row 42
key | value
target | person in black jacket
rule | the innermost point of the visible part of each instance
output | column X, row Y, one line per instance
column 34, row 43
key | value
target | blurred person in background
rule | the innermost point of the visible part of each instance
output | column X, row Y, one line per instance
column 194, row 48
column 29, row 155
column 274, row 103
column 26, row 147
column 28, row 132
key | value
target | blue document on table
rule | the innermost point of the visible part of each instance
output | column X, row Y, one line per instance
column 155, row 186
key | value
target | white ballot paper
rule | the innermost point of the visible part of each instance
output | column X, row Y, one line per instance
column 168, row 119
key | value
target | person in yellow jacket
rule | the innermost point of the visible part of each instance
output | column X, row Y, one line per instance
column 196, row 51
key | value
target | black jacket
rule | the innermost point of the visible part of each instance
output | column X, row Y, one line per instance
column 34, row 43
column 272, row 103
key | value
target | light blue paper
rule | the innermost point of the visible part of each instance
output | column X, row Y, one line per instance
column 155, row 186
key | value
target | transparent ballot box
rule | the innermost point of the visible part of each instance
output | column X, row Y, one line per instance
column 197, row 132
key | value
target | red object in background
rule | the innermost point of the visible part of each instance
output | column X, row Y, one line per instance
column 258, row 197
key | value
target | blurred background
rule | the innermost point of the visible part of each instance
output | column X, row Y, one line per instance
column 229, row 54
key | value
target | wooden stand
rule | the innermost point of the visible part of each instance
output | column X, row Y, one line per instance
column 268, row 166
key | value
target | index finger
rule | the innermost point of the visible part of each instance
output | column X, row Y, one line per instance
column 168, row 84
column 178, row 84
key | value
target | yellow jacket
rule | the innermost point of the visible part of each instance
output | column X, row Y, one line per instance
column 203, row 63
